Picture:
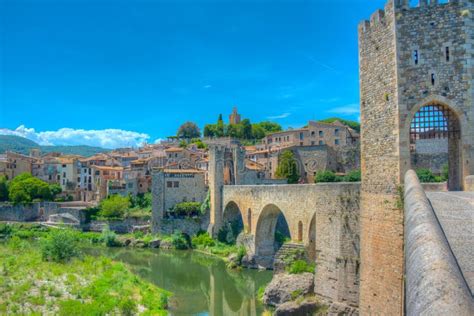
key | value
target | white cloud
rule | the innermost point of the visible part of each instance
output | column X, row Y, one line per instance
column 349, row 109
column 107, row 138
column 281, row 116
column 208, row 86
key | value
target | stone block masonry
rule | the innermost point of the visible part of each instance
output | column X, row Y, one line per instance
column 409, row 57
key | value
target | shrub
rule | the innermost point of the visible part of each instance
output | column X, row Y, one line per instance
column 300, row 266
column 187, row 208
column 288, row 167
column 425, row 175
column 325, row 176
column 114, row 206
column 203, row 240
column 61, row 245
column 109, row 238
column 5, row 230
column 128, row 307
column 241, row 252
column 445, row 173
column 353, row 176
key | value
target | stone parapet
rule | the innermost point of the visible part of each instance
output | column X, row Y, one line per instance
column 469, row 183
column 434, row 283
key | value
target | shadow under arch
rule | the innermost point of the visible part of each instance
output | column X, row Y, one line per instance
column 311, row 245
column 271, row 229
column 434, row 132
column 233, row 223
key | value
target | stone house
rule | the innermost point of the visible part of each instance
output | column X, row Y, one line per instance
column 333, row 134
column 13, row 164
column 172, row 186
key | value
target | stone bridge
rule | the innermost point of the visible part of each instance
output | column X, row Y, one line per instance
column 324, row 218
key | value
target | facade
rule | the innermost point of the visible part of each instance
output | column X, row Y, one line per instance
column 13, row 164
column 412, row 59
column 333, row 134
column 172, row 186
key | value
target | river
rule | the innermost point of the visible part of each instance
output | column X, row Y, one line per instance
column 200, row 283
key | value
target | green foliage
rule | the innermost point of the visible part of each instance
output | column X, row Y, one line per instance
column 352, row 124
column 206, row 205
column 199, row 143
column 114, row 206
column 5, row 230
column 288, row 167
column 188, row 130
column 325, row 176
column 295, row 294
column 300, row 266
column 353, row 176
column 187, row 208
column 244, row 130
column 426, row 175
column 61, row 245
column 55, row 189
column 445, row 173
column 260, row 293
column 178, row 240
column 203, row 240
column 25, row 188
column 109, row 238
column 3, row 189
column 229, row 232
column 281, row 238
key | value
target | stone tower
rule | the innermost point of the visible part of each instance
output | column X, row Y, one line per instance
column 234, row 118
column 410, row 58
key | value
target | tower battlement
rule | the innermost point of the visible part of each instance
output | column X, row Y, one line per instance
column 397, row 8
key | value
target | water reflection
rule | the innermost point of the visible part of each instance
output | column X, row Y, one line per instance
column 201, row 284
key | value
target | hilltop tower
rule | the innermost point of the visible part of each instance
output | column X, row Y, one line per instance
column 416, row 82
column 234, row 118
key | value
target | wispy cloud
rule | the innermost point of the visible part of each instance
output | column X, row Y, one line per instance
column 321, row 64
column 208, row 86
column 330, row 100
column 349, row 109
column 107, row 138
column 281, row 116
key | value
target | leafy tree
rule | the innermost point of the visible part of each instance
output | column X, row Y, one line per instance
column 270, row 127
column 188, row 130
column 245, row 129
column 352, row 124
column 258, row 132
column 3, row 189
column 187, row 208
column 220, row 127
column 25, row 188
column 55, row 189
column 210, row 130
column 114, row 206
column 288, row 167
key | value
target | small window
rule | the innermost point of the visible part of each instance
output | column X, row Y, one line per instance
column 416, row 57
column 169, row 184
column 321, row 133
column 336, row 132
column 321, row 143
column 433, row 79
column 313, row 133
column 312, row 143
column 447, row 54
column 176, row 184
column 301, row 136
column 336, row 141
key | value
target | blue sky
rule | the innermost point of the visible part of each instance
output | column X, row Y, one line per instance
column 71, row 69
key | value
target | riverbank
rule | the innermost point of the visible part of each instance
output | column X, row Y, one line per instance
column 83, row 285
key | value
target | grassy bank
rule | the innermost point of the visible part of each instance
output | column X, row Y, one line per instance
column 83, row 285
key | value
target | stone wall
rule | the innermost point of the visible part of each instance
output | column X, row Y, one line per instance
column 326, row 216
column 470, row 183
column 434, row 282
column 119, row 226
column 39, row 211
column 434, row 162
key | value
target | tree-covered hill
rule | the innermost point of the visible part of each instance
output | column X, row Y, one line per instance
column 23, row 146
column 352, row 124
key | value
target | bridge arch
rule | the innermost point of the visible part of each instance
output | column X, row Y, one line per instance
column 232, row 223
column 266, row 239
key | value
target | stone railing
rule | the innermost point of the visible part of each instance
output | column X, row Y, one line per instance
column 434, row 283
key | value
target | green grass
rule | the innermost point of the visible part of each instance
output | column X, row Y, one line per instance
column 83, row 286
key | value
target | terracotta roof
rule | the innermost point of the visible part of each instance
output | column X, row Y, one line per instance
column 108, row 168
column 252, row 165
column 174, row 149
column 177, row 171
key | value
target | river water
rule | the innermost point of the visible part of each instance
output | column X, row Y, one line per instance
column 201, row 284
